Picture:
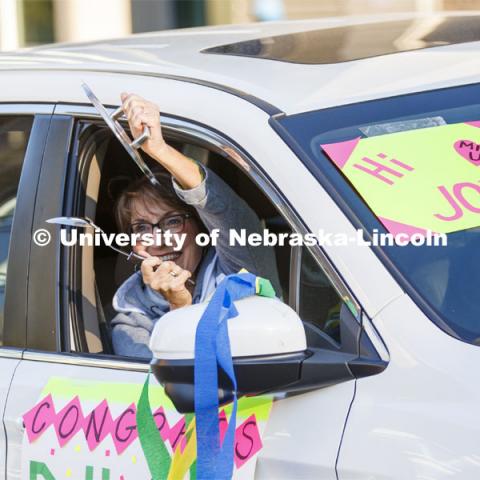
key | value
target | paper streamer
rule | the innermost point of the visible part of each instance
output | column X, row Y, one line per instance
column 212, row 349
column 184, row 461
column 156, row 454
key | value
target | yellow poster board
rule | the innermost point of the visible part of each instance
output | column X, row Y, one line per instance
column 417, row 180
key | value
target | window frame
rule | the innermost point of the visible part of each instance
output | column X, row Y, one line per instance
column 18, row 263
column 43, row 280
column 213, row 139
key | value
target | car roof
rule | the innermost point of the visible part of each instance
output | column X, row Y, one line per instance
column 267, row 60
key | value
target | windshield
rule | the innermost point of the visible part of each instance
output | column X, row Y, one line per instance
column 443, row 280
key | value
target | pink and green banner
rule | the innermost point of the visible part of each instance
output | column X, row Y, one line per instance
column 89, row 430
column 417, row 180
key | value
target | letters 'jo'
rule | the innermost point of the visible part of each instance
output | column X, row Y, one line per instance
column 417, row 180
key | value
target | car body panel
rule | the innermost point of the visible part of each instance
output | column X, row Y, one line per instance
column 303, row 437
column 6, row 374
column 31, row 377
column 420, row 417
column 325, row 411
column 177, row 53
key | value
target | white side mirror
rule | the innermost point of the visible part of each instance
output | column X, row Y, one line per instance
column 269, row 350
column 267, row 340
column 264, row 326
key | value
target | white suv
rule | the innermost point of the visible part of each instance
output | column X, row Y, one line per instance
column 386, row 387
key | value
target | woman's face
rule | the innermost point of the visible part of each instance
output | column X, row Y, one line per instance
column 189, row 256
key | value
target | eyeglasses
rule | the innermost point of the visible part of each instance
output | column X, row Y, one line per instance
column 172, row 223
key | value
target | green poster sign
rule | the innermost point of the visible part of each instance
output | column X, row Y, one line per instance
column 417, row 180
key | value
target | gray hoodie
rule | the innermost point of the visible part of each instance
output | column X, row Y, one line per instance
column 139, row 307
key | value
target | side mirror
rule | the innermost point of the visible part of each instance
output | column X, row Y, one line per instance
column 264, row 326
column 269, row 350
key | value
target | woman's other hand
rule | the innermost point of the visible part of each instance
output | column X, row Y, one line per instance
column 168, row 279
column 141, row 113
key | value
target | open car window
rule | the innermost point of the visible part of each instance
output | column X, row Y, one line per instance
column 104, row 169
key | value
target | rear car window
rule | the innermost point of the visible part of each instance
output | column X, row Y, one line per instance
column 14, row 134
column 442, row 279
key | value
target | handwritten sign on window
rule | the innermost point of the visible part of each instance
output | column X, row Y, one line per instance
column 418, row 180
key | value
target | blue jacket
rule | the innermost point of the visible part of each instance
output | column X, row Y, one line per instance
column 139, row 307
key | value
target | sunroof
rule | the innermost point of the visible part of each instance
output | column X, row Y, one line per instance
column 354, row 42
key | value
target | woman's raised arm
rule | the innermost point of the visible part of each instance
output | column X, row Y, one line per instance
column 141, row 112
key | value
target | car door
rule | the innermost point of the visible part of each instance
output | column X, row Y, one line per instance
column 78, row 409
column 23, row 131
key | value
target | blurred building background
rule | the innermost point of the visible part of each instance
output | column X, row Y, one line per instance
column 25, row 23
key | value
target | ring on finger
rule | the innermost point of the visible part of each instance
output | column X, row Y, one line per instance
column 176, row 271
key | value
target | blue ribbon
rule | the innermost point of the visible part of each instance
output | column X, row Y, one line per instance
column 212, row 348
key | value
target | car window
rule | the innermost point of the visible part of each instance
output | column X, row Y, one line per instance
column 14, row 134
column 318, row 302
column 441, row 279
column 103, row 169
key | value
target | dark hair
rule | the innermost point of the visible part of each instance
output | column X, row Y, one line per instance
column 142, row 188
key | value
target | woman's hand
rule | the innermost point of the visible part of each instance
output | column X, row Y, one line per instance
column 141, row 112
column 168, row 280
